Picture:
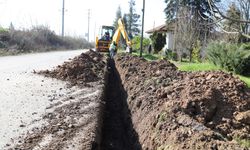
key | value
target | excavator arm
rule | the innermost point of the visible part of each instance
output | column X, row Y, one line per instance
column 102, row 45
column 122, row 31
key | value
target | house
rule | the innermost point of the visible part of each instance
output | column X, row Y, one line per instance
column 168, row 30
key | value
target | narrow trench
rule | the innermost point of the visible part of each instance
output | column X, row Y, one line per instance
column 117, row 131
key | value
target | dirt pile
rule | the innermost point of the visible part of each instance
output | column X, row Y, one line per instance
column 178, row 110
column 212, row 98
column 85, row 68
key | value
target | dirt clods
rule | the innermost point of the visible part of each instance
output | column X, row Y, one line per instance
column 87, row 67
column 179, row 110
column 149, row 105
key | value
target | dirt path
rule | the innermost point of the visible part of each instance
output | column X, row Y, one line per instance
column 25, row 96
column 118, row 132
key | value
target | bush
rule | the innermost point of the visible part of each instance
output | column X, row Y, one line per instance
column 169, row 54
column 39, row 38
column 196, row 52
column 137, row 43
column 230, row 57
column 2, row 44
column 158, row 41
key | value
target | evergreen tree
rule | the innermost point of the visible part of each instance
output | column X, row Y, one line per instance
column 125, row 21
column 233, row 26
column 132, row 20
column 158, row 41
column 11, row 27
column 196, row 6
column 118, row 16
column 233, row 12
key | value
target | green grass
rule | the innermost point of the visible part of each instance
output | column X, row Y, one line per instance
column 184, row 66
column 243, row 142
column 245, row 79
column 149, row 57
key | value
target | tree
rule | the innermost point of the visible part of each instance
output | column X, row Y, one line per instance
column 137, row 41
column 125, row 21
column 201, row 7
column 132, row 20
column 245, row 12
column 118, row 16
column 193, row 22
column 187, row 33
column 233, row 12
column 232, row 26
column 11, row 27
column 158, row 41
column 171, row 9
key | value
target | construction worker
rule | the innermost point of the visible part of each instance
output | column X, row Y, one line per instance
column 112, row 49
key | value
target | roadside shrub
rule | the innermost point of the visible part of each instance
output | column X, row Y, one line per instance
column 4, row 35
column 2, row 29
column 39, row 38
column 2, row 44
column 137, row 43
column 230, row 57
column 196, row 52
column 170, row 54
column 158, row 41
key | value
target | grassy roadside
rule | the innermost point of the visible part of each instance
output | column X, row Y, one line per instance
column 196, row 66
column 148, row 57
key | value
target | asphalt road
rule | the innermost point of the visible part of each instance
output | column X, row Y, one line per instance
column 24, row 96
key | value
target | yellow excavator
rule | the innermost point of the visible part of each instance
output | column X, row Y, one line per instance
column 108, row 36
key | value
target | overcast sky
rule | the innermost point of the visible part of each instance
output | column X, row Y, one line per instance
column 27, row 13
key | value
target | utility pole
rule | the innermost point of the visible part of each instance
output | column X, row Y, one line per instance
column 63, row 9
column 142, row 27
column 88, row 22
column 94, row 32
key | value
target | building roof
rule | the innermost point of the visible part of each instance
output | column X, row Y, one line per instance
column 162, row 28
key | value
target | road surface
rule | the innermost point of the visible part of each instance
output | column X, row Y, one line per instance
column 24, row 96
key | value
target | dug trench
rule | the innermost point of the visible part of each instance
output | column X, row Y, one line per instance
column 117, row 131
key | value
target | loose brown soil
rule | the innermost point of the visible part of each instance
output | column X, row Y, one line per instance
column 178, row 110
column 85, row 68
column 148, row 105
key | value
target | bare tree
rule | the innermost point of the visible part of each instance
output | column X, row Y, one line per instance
column 191, row 27
column 187, row 32
column 219, row 16
column 245, row 12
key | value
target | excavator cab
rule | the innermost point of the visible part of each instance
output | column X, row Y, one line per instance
column 105, row 38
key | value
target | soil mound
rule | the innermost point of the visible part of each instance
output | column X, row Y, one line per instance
column 179, row 110
column 216, row 99
column 85, row 68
